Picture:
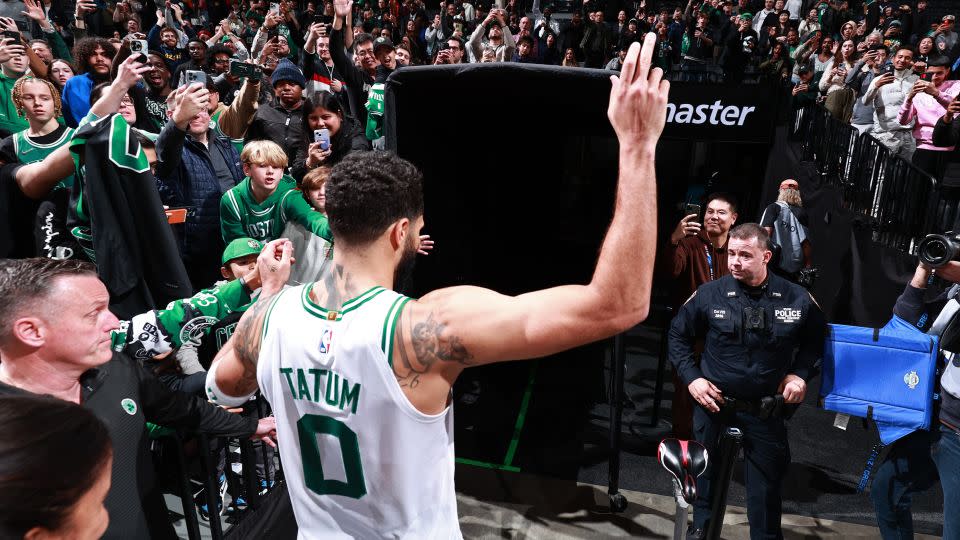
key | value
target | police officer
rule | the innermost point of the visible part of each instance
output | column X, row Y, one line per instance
column 751, row 322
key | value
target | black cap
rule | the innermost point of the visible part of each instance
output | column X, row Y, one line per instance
column 382, row 41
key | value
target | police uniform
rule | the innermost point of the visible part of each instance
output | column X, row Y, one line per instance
column 750, row 335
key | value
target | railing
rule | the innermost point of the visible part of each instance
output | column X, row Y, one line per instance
column 899, row 201
column 249, row 483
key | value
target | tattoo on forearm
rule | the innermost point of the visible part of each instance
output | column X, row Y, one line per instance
column 429, row 345
column 247, row 343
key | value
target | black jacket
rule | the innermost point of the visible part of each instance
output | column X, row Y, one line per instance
column 945, row 134
column 350, row 138
column 741, row 361
column 280, row 125
column 357, row 80
column 134, row 247
column 125, row 396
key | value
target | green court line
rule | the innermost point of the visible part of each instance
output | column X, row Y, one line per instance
column 521, row 416
column 517, row 429
column 485, row 465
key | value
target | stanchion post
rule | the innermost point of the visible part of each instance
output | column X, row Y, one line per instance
column 211, row 487
column 617, row 501
column 186, row 494
column 730, row 442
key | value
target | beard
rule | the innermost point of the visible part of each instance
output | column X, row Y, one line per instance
column 403, row 273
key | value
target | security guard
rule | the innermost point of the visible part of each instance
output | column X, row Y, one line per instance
column 751, row 322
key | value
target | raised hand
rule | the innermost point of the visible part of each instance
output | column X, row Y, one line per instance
column 638, row 97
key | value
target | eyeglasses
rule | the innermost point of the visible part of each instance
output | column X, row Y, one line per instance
column 126, row 102
column 362, row 53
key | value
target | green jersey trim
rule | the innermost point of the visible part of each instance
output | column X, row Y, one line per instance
column 233, row 201
column 390, row 327
column 335, row 315
column 266, row 319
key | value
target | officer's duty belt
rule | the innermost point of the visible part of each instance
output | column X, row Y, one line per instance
column 763, row 408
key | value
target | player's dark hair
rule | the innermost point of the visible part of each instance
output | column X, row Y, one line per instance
column 751, row 231
column 369, row 191
column 728, row 198
column 23, row 282
column 55, row 453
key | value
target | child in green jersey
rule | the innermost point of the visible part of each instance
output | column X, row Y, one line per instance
column 261, row 205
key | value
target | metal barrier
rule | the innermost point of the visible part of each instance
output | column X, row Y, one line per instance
column 908, row 205
column 215, row 452
column 902, row 203
column 862, row 193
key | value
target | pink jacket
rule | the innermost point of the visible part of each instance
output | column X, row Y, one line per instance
column 927, row 110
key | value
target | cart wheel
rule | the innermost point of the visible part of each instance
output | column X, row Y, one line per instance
column 618, row 503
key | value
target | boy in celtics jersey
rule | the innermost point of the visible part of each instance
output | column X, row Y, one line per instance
column 359, row 376
column 39, row 102
column 262, row 203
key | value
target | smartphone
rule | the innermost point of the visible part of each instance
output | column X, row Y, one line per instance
column 11, row 34
column 691, row 208
column 139, row 46
column 22, row 26
column 244, row 70
column 888, row 69
column 194, row 76
column 176, row 215
column 924, row 77
column 272, row 33
column 274, row 8
column 322, row 136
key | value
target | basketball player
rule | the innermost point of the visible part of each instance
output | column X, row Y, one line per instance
column 359, row 376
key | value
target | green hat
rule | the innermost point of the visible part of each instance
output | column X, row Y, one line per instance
column 241, row 247
column 748, row 16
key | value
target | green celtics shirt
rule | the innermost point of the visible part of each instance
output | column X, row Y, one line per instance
column 242, row 216
column 375, row 112
column 183, row 321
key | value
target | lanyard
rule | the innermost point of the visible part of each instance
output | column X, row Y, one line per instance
column 706, row 249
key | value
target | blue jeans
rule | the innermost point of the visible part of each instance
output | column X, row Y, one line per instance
column 946, row 454
column 907, row 469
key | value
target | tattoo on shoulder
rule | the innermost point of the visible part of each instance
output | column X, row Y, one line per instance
column 430, row 344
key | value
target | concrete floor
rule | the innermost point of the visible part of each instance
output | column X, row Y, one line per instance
column 497, row 504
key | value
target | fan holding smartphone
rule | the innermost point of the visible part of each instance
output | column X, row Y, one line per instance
column 333, row 135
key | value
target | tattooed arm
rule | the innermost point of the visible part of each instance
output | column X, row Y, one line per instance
column 451, row 329
column 236, row 369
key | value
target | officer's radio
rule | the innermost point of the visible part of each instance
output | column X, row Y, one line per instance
column 754, row 318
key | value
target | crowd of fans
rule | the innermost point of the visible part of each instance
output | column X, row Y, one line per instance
column 241, row 107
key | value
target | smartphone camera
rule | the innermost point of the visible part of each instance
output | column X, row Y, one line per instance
column 322, row 136
column 194, row 76
column 139, row 48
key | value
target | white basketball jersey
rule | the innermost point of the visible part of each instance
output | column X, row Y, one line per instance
column 360, row 461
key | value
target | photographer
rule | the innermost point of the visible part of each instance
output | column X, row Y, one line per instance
column 909, row 467
column 751, row 323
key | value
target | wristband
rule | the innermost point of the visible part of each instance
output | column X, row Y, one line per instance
column 217, row 396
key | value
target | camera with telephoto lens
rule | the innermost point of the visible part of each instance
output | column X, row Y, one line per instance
column 937, row 250
column 754, row 318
